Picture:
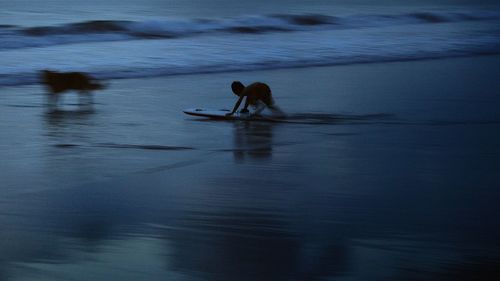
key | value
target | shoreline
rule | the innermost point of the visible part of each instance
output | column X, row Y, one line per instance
column 314, row 65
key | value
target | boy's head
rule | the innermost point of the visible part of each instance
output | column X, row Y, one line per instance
column 237, row 87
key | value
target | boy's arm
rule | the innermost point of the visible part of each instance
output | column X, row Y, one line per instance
column 236, row 105
column 245, row 108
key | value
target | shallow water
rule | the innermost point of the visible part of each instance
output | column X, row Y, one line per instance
column 392, row 174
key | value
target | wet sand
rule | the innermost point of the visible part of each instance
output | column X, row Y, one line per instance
column 391, row 175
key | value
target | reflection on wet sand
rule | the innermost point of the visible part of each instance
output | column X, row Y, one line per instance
column 214, row 232
column 234, row 244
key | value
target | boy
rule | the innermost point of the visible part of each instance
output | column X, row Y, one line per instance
column 258, row 95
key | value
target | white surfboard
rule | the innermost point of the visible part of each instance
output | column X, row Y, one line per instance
column 221, row 114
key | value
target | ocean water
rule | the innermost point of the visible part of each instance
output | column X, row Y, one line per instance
column 153, row 38
column 388, row 169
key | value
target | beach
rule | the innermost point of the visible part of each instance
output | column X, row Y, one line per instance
column 388, row 172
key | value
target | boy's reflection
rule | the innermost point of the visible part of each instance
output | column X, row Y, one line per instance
column 253, row 139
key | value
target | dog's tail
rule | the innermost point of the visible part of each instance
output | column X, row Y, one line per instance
column 97, row 86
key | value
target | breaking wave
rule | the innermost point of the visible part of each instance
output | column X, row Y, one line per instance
column 12, row 37
column 124, row 49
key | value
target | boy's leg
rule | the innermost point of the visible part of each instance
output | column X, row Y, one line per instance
column 259, row 107
column 275, row 109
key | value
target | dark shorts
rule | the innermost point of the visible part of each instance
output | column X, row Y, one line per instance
column 264, row 97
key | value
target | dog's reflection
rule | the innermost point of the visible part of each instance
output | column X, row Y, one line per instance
column 253, row 140
column 66, row 125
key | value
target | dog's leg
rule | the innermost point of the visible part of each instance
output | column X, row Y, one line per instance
column 58, row 100
column 87, row 95
column 90, row 98
column 52, row 101
column 81, row 95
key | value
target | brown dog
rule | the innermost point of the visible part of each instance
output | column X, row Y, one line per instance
column 58, row 82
